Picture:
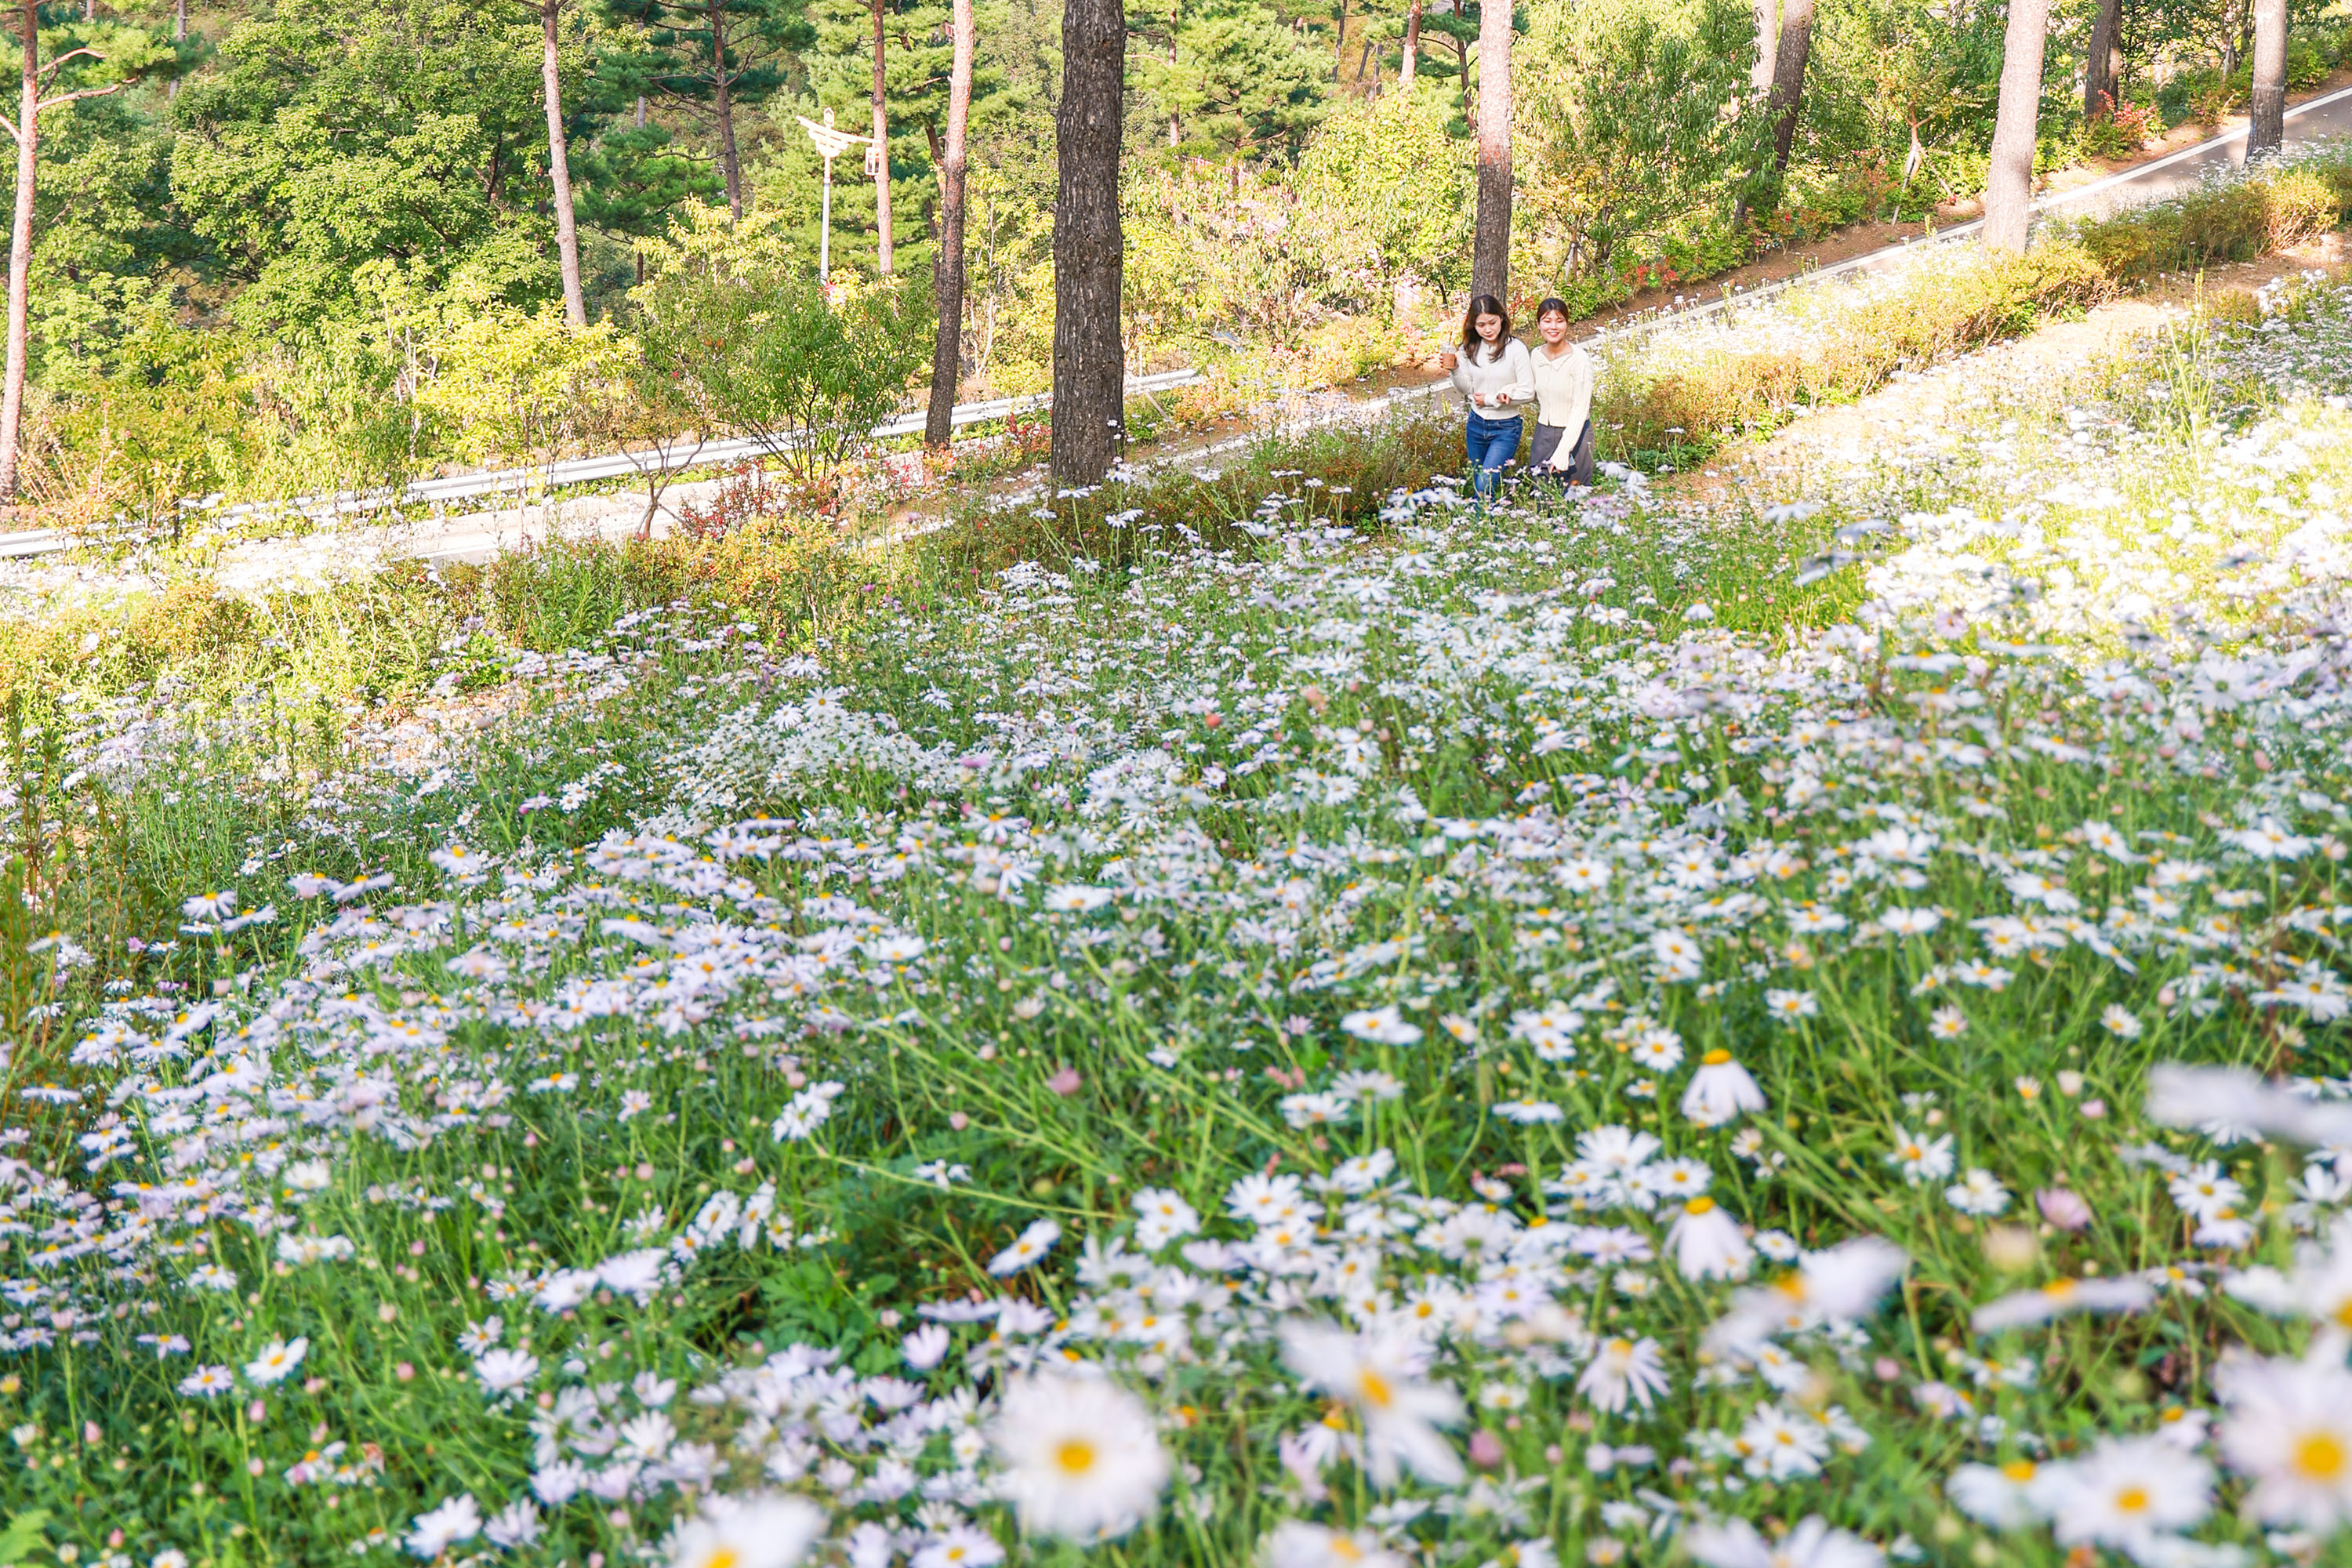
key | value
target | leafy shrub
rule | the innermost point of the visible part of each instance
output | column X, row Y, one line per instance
column 2227, row 222
column 766, row 352
column 514, row 386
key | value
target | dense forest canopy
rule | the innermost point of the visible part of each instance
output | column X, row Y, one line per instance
column 297, row 204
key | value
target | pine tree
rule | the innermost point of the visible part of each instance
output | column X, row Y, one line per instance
column 1238, row 82
column 716, row 58
column 916, row 56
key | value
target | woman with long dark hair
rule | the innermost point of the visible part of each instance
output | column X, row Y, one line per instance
column 1563, row 375
column 1491, row 373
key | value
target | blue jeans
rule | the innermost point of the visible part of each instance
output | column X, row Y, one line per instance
column 1492, row 443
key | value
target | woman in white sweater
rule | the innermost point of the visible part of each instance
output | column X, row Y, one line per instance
column 1496, row 382
column 1563, row 375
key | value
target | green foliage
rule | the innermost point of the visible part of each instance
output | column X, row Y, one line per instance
column 511, row 384
column 1626, row 104
column 767, row 353
column 1236, row 82
column 349, row 158
column 635, row 176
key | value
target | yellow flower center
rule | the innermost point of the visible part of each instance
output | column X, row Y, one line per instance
column 1375, row 1389
column 2019, row 1470
column 2321, row 1456
column 1700, row 1205
column 1715, row 1058
column 2132, row 1499
column 1073, row 1455
column 723, row 1557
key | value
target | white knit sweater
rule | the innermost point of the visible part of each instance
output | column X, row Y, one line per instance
column 1507, row 376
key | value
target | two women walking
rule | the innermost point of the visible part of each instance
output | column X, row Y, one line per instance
column 1498, row 376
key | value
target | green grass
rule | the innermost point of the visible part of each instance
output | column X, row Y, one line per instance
column 1313, row 778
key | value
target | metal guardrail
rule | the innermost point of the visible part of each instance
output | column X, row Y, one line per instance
column 572, row 471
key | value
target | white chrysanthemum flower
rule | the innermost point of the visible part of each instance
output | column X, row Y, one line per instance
column 2125, row 1494
column 1918, row 1159
column 1295, row 1544
column 748, row 1532
column 1813, row 1544
column 504, row 1370
column 1081, row 1457
column 2289, row 1430
column 1720, row 1091
column 1027, row 1248
column 1381, row 1027
column 1622, row 1371
column 434, row 1533
column 1978, row 1193
column 2121, row 1022
column 1998, row 1496
column 277, row 1360
column 1839, row 1284
column 2058, row 1299
column 1706, row 1243
column 1380, row 1378
column 1161, row 1217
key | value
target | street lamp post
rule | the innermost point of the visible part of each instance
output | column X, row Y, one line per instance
column 830, row 144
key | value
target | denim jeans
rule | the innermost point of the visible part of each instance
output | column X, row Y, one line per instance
column 1492, row 443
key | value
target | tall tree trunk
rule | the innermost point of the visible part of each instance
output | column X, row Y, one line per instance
column 947, row 269
column 2099, row 63
column 1411, row 69
column 881, row 151
column 1089, row 358
column 2268, row 131
column 1789, row 59
column 722, row 103
column 179, row 35
column 559, row 170
column 2009, row 184
column 20, row 248
column 1490, row 261
column 641, row 111
column 1767, row 30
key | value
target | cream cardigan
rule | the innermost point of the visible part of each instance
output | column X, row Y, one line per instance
column 1563, row 396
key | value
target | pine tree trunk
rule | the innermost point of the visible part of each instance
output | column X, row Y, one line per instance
column 20, row 248
column 179, row 35
column 881, row 151
column 722, row 103
column 1089, row 357
column 1411, row 69
column 947, row 269
column 1788, row 61
column 567, row 236
column 1490, row 262
column 2009, row 184
column 2268, row 133
column 2098, row 64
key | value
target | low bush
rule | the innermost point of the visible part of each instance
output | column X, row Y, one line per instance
column 1702, row 387
column 2231, row 221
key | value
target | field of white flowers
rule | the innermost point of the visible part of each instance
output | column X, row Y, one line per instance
column 1801, row 1034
